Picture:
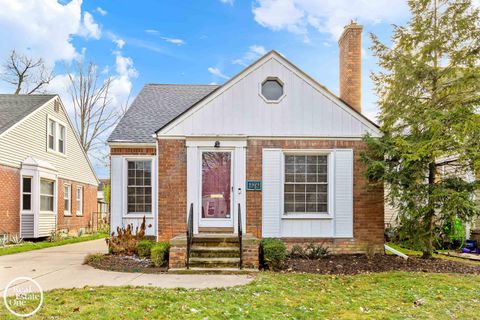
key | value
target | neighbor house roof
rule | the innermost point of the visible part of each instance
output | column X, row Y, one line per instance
column 155, row 106
column 14, row 108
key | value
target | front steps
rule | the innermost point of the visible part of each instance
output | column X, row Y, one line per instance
column 217, row 253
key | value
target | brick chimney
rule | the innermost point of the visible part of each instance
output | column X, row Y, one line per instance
column 350, row 45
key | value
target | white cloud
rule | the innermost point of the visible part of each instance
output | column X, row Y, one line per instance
column 119, row 42
column 178, row 42
column 229, row 2
column 89, row 28
column 217, row 72
column 328, row 16
column 40, row 28
column 253, row 53
column 152, row 31
column 101, row 11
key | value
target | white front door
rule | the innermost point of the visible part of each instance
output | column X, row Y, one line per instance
column 216, row 188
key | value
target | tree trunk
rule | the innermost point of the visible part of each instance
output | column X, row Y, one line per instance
column 430, row 217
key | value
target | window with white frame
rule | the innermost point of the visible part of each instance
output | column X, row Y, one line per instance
column 306, row 184
column 47, row 195
column 52, row 134
column 67, row 199
column 79, row 201
column 56, row 136
column 61, row 139
column 139, row 186
column 26, row 193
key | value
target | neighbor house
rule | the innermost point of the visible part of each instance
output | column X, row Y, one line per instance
column 47, row 182
column 270, row 153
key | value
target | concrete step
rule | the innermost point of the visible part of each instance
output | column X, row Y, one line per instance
column 215, row 240
column 215, row 252
column 214, row 262
column 196, row 270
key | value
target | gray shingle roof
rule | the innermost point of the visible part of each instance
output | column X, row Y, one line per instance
column 14, row 108
column 154, row 107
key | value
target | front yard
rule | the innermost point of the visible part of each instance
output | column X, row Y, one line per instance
column 29, row 246
column 392, row 295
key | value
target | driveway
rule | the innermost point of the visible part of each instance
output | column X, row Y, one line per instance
column 61, row 267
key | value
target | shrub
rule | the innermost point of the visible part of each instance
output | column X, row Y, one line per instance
column 125, row 242
column 312, row 251
column 159, row 253
column 92, row 258
column 272, row 253
column 143, row 248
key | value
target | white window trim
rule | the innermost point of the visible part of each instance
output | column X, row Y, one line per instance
column 67, row 212
column 56, row 139
column 125, row 187
column 282, row 83
column 330, row 183
column 54, row 195
column 79, row 213
column 31, row 193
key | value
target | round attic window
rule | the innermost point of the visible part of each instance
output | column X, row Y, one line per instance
column 272, row 89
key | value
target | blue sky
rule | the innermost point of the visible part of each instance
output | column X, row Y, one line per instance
column 208, row 41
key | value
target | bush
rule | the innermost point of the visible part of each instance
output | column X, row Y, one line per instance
column 143, row 248
column 92, row 258
column 312, row 251
column 126, row 240
column 159, row 253
column 272, row 253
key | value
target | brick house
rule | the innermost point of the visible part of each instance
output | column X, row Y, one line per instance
column 47, row 182
column 271, row 150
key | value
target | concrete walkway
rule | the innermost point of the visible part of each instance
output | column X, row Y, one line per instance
column 61, row 267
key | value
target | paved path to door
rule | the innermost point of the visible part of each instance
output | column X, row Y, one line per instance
column 61, row 267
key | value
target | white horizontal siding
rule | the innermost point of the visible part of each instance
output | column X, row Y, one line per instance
column 29, row 138
column 46, row 224
column 305, row 111
column 27, row 225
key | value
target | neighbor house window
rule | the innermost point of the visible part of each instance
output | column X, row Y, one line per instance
column 56, row 136
column 27, row 193
column 52, row 133
column 67, row 199
column 46, row 195
column 139, row 188
column 79, row 201
column 61, row 139
column 306, row 184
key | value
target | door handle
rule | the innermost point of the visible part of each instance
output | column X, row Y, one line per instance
column 239, row 190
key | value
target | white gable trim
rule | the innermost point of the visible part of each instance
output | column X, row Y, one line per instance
column 287, row 64
column 77, row 138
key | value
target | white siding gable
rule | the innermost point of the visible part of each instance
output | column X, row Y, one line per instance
column 307, row 110
column 28, row 138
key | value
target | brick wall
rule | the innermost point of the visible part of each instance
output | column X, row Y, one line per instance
column 350, row 51
column 74, row 222
column 142, row 151
column 368, row 203
column 172, row 188
column 9, row 200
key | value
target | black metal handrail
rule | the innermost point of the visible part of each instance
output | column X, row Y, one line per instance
column 189, row 234
column 240, row 234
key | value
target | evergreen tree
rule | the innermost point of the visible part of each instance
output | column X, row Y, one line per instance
column 429, row 97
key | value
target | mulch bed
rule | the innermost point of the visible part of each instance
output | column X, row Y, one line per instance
column 355, row 264
column 126, row 264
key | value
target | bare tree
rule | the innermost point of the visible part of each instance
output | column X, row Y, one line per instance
column 26, row 74
column 92, row 103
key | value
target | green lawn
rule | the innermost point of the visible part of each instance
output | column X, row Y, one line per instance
column 28, row 246
column 279, row 296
